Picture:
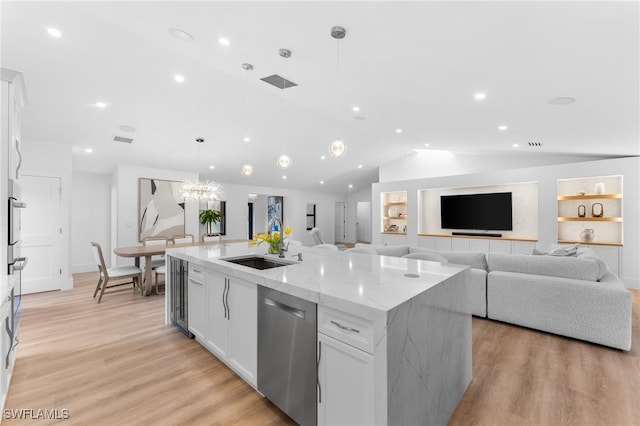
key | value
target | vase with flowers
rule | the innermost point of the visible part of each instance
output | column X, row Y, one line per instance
column 273, row 239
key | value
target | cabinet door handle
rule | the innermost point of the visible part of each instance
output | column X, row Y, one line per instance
column 337, row 324
column 224, row 298
column 197, row 271
column 318, row 372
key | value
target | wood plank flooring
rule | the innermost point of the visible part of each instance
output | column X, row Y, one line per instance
column 116, row 363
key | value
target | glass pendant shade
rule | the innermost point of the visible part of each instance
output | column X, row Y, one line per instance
column 284, row 161
column 247, row 170
column 200, row 190
column 337, row 148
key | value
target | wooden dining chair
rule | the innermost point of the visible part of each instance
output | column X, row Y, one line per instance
column 157, row 264
column 182, row 238
column 205, row 238
column 116, row 274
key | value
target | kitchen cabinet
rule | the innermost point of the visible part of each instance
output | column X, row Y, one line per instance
column 196, row 308
column 345, row 384
column 232, row 327
column 345, row 369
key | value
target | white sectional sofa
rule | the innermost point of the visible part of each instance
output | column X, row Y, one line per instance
column 574, row 296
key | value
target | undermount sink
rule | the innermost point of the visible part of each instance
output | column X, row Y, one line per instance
column 258, row 262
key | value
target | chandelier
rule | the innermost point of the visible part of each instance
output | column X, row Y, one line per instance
column 200, row 190
column 196, row 190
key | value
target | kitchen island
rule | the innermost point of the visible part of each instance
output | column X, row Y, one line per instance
column 394, row 334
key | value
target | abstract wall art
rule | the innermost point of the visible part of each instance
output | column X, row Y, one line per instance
column 160, row 210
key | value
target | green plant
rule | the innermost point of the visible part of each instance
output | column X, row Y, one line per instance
column 209, row 217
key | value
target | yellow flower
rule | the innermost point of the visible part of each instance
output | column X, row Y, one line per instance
column 252, row 242
column 287, row 230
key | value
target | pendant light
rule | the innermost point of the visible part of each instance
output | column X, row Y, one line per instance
column 196, row 190
column 284, row 161
column 338, row 147
column 247, row 168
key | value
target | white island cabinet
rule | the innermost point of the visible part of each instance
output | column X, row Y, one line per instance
column 223, row 318
column 393, row 338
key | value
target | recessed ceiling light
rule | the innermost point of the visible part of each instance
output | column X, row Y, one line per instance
column 212, row 167
column 127, row 128
column 284, row 177
column 177, row 33
column 502, row 128
column 515, row 145
column 101, row 104
column 398, row 130
column 179, row 78
column 247, row 139
column 427, row 144
column 224, row 41
column 322, row 157
column 480, row 96
column 54, row 32
column 88, row 150
column 356, row 108
column 321, row 182
column 561, row 101
column 284, row 161
column 359, row 166
column 350, row 186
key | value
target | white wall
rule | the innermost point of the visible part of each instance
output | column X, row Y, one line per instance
column 352, row 200
column 124, row 219
column 294, row 214
column 91, row 219
column 53, row 160
column 437, row 163
column 547, row 178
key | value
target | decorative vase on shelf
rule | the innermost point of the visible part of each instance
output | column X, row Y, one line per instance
column 597, row 210
column 599, row 188
column 582, row 210
column 587, row 235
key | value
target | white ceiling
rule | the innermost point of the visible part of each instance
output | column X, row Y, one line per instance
column 409, row 65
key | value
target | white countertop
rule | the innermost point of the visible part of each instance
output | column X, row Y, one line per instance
column 360, row 283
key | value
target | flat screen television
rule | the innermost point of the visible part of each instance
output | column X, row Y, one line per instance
column 486, row 212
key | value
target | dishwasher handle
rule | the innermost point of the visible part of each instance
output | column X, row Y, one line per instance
column 286, row 308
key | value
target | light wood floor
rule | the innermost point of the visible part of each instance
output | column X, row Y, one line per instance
column 116, row 363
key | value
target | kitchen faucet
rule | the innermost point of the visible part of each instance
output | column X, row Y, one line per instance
column 281, row 246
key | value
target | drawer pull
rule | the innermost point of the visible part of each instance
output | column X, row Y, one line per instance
column 197, row 271
column 337, row 324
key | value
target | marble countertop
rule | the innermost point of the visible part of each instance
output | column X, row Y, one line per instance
column 363, row 284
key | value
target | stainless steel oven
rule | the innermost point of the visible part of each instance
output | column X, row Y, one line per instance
column 15, row 264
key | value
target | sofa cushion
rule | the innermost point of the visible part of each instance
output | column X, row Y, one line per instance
column 474, row 259
column 396, row 251
column 588, row 253
column 434, row 257
column 363, row 249
column 554, row 266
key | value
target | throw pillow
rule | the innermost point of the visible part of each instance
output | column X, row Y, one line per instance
column 558, row 250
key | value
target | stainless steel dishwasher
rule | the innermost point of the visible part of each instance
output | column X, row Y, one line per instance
column 287, row 369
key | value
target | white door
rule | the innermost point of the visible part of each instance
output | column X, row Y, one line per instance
column 40, row 233
column 363, row 221
column 340, row 218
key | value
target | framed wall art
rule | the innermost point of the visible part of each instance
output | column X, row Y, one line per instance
column 160, row 210
column 275, row 208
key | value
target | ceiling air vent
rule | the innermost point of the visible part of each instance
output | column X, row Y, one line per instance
column 122, row 139
column 536, row 144
column 278, row 81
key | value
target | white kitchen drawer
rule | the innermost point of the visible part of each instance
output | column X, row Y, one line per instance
column 347, row 328
column 196, row 272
